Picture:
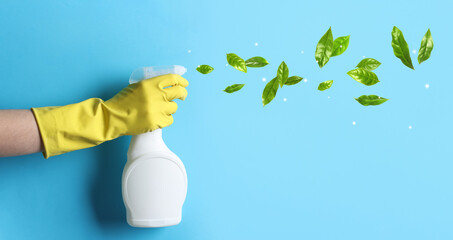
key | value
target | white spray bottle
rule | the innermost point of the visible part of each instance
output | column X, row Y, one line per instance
column 154, row 178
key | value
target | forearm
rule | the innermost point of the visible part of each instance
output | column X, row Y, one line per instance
column 19, row 133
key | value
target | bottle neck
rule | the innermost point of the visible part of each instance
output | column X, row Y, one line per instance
column 147, row 143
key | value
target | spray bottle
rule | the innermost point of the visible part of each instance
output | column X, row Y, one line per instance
column 154, row 182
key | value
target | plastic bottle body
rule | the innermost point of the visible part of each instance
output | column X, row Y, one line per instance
column 154, row 182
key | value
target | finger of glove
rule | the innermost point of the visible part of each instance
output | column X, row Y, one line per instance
column 168, row 121
column 172, row 80
column 171, row 108
column 164, row 121
column 176, row 92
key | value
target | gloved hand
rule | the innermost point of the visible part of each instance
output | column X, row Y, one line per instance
column 140, row 107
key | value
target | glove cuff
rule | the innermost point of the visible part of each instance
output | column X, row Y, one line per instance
column 72, row 127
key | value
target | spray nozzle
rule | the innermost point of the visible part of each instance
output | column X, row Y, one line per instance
column 150, row 72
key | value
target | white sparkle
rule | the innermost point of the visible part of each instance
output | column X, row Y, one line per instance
column 341, row 46
column 305, row 80
column 353, row 123
column 284, row 99
column 256, row 44
column 198, row 65
column 226, row 65
column 410, row 127
column 328, row 97
column 316, row 60
column 414, row 51
column 263, row 79
column 427, row 85
column 363, row 56
column 302, row 52
column 189, row 51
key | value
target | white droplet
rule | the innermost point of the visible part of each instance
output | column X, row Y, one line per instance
column 410, row 127
column 284, row 99
column 302, row 52
column 305, row 80
column 226, row 65
column 256, row 44
column 328, row 97
column 427, row 85
column 198, row 66
column 263, row 79
column 189, row 51
column 414, row 51
column 363, row 56
column 353, row 123
column 341, row 46
column 316, row 60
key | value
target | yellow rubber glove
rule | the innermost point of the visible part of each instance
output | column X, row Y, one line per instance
column 140, row 107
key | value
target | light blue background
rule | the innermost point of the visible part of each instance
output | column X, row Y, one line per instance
column 292, row 170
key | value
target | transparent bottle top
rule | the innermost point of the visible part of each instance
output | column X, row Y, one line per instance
column 150, row 72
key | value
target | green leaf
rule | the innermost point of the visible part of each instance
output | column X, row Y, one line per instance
column 367, row 100
column 233, row 88
column 324, row 48
column 325, row 85
column 369, row 64
column 270, row 91
column 236, row 62
column 282, row 73
column 205, row 69
column 293, row 80
column 364, row 76
column 400, row 47
column 340, row 45
column 256, row 62
column 425, row 47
